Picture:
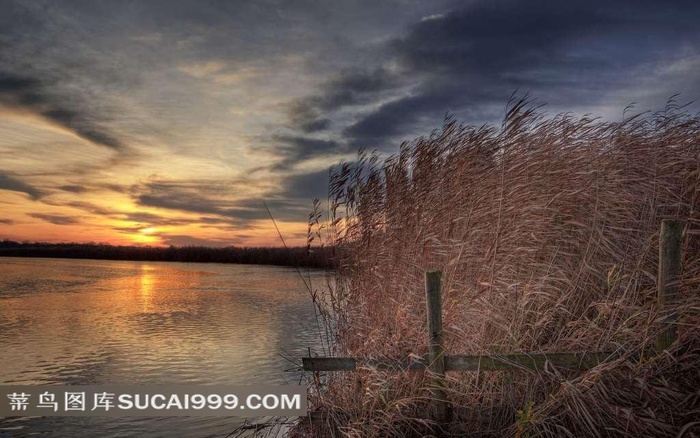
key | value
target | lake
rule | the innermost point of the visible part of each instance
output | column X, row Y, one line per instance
column 79, row 322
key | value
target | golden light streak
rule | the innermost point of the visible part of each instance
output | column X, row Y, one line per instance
column 146, row 281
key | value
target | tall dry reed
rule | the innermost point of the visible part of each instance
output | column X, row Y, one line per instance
column 546, row 230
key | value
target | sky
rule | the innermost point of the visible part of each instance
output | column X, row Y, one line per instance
column 173, row 122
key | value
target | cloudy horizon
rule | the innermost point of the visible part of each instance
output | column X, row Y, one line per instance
column 175, row 122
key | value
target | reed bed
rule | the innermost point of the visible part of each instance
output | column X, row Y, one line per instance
column 546, row 230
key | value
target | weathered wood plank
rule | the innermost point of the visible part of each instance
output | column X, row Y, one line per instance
column 533, row 361
column 668, row 279
column 436, row 348
column 329, row 363
column 351, row 364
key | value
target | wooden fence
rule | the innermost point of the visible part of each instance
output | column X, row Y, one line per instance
column 438, row 363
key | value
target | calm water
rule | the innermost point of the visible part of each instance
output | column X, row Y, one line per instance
column 78, row 322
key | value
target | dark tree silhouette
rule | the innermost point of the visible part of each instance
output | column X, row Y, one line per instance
column 295, row 256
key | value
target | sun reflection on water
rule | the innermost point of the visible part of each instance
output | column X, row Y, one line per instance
column 147, row 282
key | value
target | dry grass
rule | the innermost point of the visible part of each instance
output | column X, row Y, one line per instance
column 546, row 230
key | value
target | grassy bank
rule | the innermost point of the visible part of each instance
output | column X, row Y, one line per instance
column 546, row 230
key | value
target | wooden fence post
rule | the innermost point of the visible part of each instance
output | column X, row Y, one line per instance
column 668, row 278
column 437, row 348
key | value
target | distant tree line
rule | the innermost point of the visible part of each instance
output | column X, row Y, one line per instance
column 295, row 256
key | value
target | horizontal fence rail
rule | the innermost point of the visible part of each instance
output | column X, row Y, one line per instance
column 494, row 362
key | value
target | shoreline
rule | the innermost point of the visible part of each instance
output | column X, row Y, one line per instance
column 290, row 257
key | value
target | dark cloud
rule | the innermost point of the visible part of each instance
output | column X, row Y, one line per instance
column 353, row 87
column 490, row 37
column 218, row 210
column 9, row 182
column 213, row 220
column 90, row 207
column 414, row 115
column 113, row 187
column 203, row 197
column 296, row 149
column 179, row 201
column 73, row 188
column 348, row 88
column 56, row 219
column 39, row 96
column 155, row 220
column 144, row 219
column 7, row 221
column 392, row 118
column 306, row 117
column 308, row 186
column 310, row 122
column 281, row 208
column 470, row 59
column 80, row 121
column 502, row 37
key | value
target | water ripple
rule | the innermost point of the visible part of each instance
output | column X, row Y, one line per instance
column 79, row 322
